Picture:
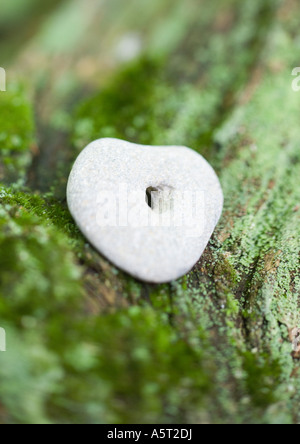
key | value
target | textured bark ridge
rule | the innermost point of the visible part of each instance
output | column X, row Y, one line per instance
column 85, row 342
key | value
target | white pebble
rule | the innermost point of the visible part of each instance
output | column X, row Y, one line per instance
column 150, row 210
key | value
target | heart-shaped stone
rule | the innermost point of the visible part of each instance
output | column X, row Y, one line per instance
column 150, row 210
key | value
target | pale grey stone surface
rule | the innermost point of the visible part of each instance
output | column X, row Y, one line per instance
column 157, row 244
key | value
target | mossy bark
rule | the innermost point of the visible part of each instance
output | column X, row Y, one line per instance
column 87, row 343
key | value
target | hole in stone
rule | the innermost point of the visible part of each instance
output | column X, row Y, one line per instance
column 149, row 197
column 160, row 199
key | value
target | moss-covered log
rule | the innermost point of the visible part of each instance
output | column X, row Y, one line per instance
column 85, row 342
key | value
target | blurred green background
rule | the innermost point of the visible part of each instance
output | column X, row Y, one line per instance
column 85, row 342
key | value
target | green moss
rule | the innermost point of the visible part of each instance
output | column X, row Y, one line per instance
column 49, row 210
column 40, row 294
column 40, row 298
column 260, row 227
column 17, row 133
column 262, row 378
column 231, row 296
column 216, row 345
column 111, row 355
column 39, row 289
column 125, row 109
column 124, row 383
column 154, row 101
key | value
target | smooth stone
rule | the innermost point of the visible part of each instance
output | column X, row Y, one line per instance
column 150, row 210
